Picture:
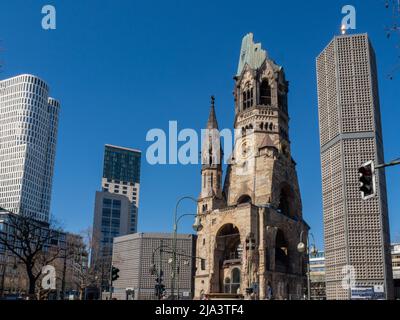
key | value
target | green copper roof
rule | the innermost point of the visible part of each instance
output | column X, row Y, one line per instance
column 251, row 53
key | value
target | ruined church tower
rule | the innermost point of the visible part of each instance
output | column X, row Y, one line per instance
column 252, row 224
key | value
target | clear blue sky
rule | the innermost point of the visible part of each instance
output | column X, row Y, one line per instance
column 121, row 68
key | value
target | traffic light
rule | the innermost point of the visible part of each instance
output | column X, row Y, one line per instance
column 114, row 273
column 367, row 180
column 249, row 290
column 162, row 289
column 159, row 288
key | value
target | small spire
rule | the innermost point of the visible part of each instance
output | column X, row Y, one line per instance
column 212, row 118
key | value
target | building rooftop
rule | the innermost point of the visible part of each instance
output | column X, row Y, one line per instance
column 123, row 148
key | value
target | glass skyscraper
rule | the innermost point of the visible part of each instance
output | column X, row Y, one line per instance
column 28, row 136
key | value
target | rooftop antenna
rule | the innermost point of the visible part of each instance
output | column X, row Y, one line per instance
column 343, row 29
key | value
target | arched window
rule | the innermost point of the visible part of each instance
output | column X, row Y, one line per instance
column 244, row 199
column 265, row 93
column 286, row 201
column 284, row 206
column 282, row 99
column 247, row 97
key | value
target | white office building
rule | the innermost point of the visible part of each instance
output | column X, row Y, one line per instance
column 28, row 135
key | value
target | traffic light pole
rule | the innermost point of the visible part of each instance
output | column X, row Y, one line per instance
column 111, row 280
column 160, row 275
column 390, row 164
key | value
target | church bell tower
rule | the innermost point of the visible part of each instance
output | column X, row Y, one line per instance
column 253, row 224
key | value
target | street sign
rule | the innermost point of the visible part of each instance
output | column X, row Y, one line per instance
column 362, row 293
column 368, row 293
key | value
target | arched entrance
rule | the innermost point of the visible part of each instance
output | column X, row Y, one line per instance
column 227, row 260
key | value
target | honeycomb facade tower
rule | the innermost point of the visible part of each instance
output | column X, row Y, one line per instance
column 252, row 224
column 356, row 232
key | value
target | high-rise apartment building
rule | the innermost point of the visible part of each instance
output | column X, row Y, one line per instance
column 357, row 241
column 28, row 135
column 116, row 206
column 121, row 175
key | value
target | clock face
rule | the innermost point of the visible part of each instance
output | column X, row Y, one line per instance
column 244, row 157
column 244, row 150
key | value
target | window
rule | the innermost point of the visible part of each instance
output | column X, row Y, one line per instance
column 247, row 98
column 232, row 284
column 106, row 203
column 244, row 199
column 117, row 204
column 282, row 99
column 106, row 212
column 265, row 93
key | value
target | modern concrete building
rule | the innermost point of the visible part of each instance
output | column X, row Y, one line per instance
column 317, row 276
column 111, row 219
column 28, row 136
column 396, row 269
column 116, row 206
column 357, row 241
column 135, row 255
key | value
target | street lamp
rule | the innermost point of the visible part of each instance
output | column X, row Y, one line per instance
column 197, row 226
column 178, row 271
column 305, row 248
column 159, row 273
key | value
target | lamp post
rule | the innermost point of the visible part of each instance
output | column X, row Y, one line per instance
column 305, row 248
column 153, row 268
column 196, row 226
column 162, row 249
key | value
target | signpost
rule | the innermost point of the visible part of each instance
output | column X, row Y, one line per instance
column 368, row 293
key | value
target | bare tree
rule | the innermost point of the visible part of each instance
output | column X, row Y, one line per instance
column 75, row 275
column 98, row 270
column 34, row 243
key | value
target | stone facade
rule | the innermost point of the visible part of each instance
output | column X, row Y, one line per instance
column 252, row 223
